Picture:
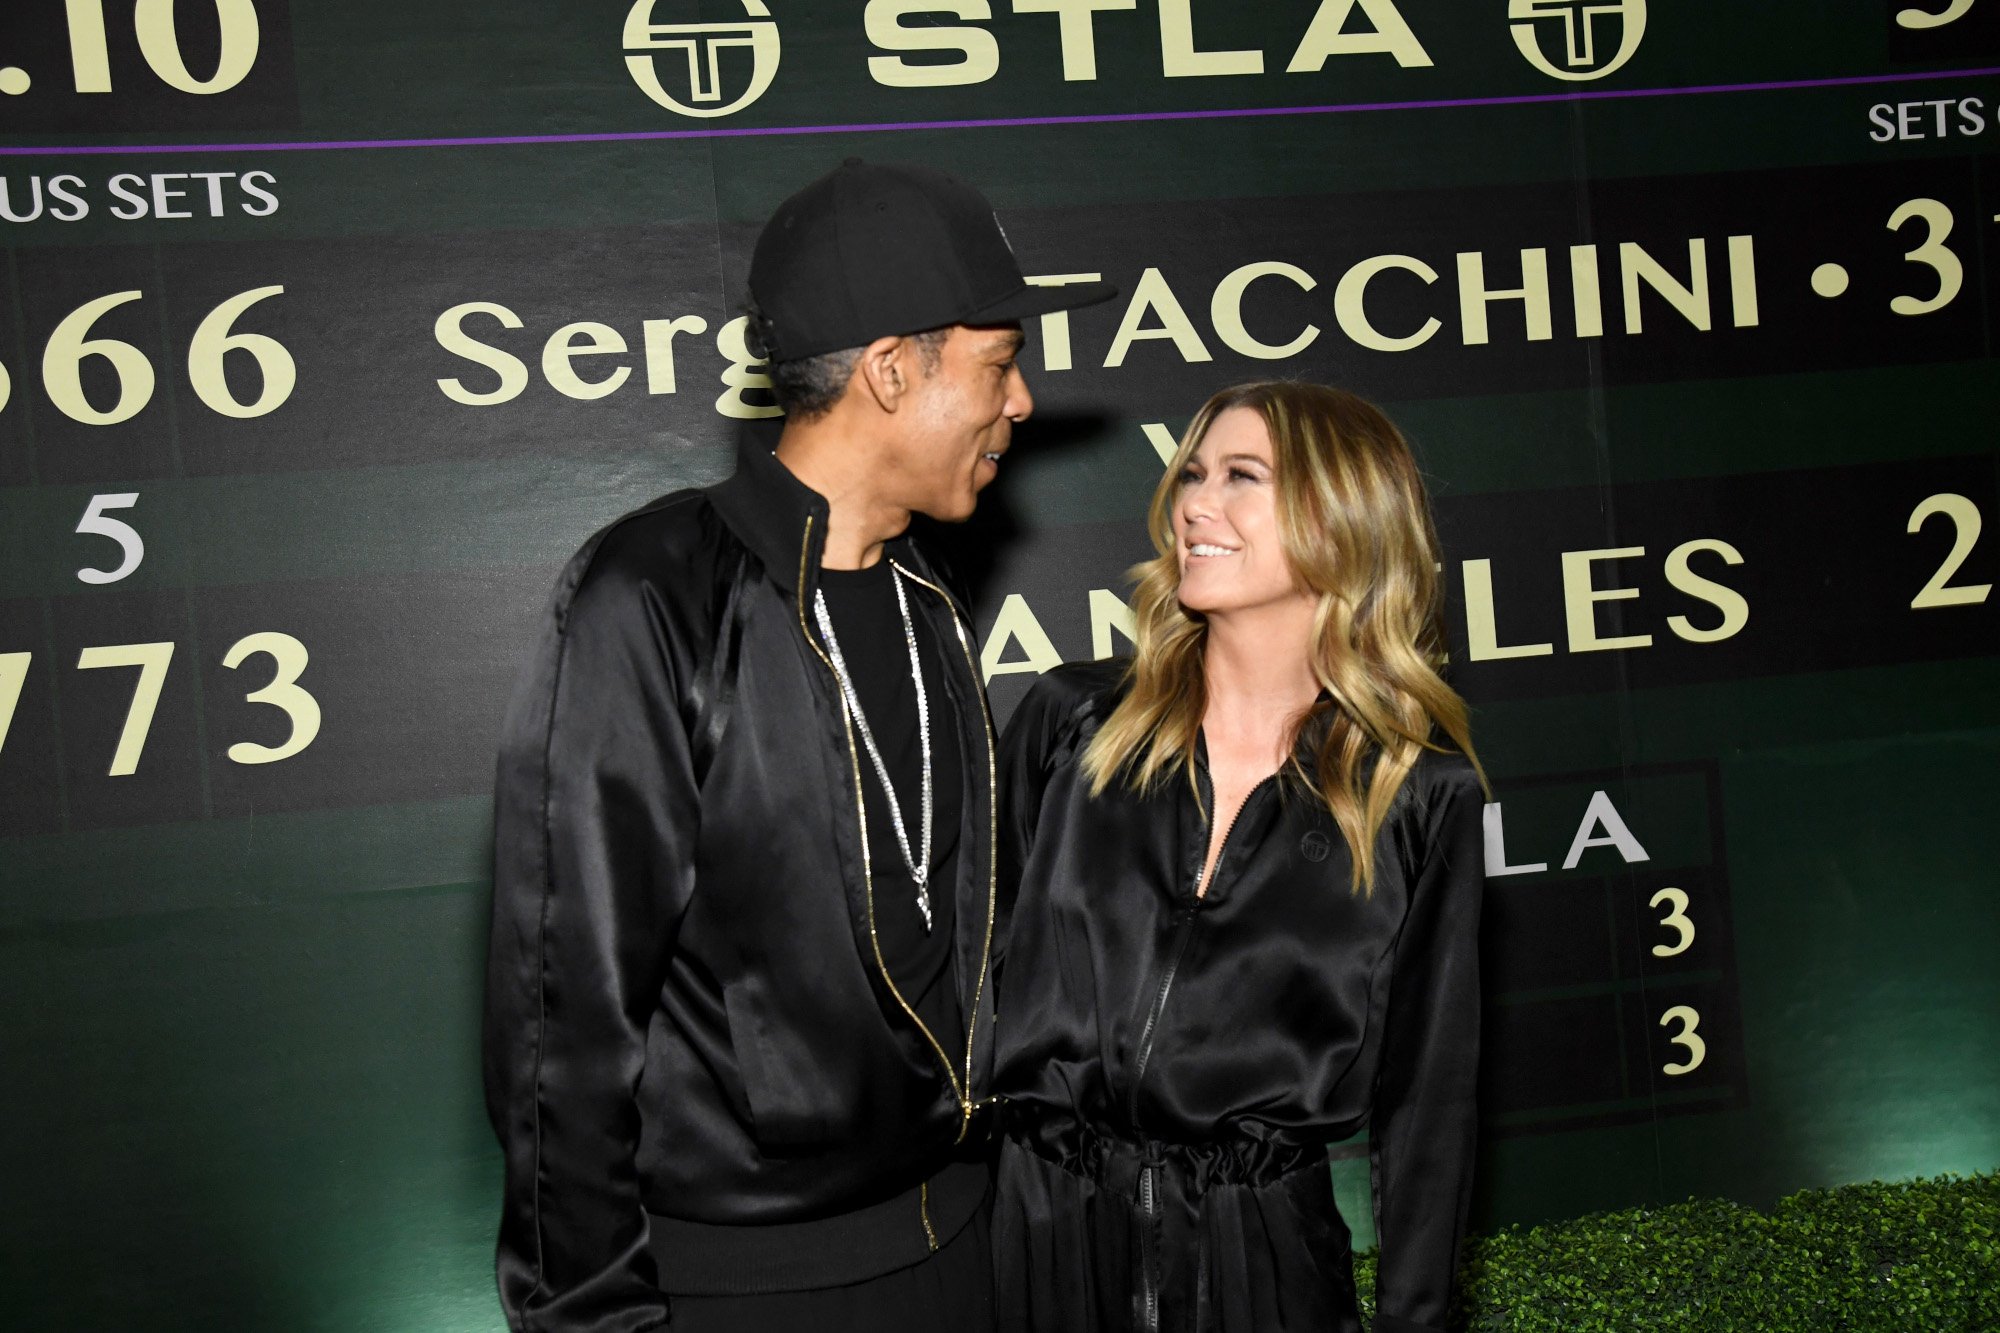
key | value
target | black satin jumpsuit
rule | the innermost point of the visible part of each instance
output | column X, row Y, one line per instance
column 1174, row 1066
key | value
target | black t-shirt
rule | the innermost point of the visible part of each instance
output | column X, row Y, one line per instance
column 862, row 605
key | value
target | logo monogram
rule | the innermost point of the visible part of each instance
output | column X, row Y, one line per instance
column 701, row 45
column 1581, row 23
column 1315, row 846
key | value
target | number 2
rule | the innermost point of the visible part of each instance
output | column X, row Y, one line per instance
column 1964, row 516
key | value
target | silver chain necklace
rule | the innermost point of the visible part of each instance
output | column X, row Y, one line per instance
column 919, row 866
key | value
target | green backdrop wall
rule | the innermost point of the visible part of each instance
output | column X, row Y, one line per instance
column 330, row 329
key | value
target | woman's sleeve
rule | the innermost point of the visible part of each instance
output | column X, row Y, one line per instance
column 1422, row 1133
column 1029, row 752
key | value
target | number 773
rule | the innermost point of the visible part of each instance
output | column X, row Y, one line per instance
column 152, row 659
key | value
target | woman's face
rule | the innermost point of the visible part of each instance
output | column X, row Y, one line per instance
column 1226, row 522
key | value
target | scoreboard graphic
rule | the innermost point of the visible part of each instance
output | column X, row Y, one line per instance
column 1613, row 995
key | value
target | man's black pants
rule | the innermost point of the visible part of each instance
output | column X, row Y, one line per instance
column 950, row 1292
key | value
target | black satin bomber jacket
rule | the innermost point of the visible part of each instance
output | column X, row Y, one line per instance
column 688, row 1027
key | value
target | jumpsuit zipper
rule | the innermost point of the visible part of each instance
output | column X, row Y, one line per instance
column 1149, row 1265
column 1183, row 927
column 1149, row 1204
column 1149, row 1274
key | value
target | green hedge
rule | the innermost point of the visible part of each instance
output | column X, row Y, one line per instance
column 1917, row 1257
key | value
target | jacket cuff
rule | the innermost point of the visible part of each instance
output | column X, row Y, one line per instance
column 1388, row 1323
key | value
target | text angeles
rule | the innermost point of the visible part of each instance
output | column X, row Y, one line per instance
column 1684, row 592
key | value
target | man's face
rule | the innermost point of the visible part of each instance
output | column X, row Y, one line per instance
column 960, row 419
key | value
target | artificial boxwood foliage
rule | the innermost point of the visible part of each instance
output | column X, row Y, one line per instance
column 1918, row 1257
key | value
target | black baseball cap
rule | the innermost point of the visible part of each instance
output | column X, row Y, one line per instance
column 875, row 248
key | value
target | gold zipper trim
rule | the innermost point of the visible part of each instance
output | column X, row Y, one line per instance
column 924, row 1211
column 868, row 868
column 992, row 841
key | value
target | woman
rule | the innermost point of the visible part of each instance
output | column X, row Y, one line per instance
column 1249, row 869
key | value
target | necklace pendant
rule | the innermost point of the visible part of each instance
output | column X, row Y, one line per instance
column 919, row 862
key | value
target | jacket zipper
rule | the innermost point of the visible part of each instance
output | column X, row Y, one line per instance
column 966, row 1104
column 962, row 1093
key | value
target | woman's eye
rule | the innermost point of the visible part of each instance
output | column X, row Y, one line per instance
column 1241, row 474
column 1189, row 476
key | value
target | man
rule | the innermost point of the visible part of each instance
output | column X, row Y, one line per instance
column 739, row 1009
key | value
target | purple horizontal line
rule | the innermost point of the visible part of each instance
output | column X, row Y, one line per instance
column 1116, row 118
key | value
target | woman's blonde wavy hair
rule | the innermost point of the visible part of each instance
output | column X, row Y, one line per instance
column 1356, row 526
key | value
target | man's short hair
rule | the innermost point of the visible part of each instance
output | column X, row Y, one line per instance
column 807, row 387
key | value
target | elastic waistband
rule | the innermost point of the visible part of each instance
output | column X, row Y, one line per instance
column 709, row 1259
column 1111, row 1157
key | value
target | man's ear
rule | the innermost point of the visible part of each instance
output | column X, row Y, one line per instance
column 885, row 370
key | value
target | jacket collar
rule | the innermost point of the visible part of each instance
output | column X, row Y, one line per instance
column 769, row 509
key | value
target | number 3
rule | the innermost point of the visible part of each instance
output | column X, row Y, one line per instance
column 1676, row 917
column 283, row 692
column 1912, row 17
column 1933, row 254
column 1696, row 1047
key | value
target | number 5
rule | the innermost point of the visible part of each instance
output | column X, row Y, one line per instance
column 117, row 530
